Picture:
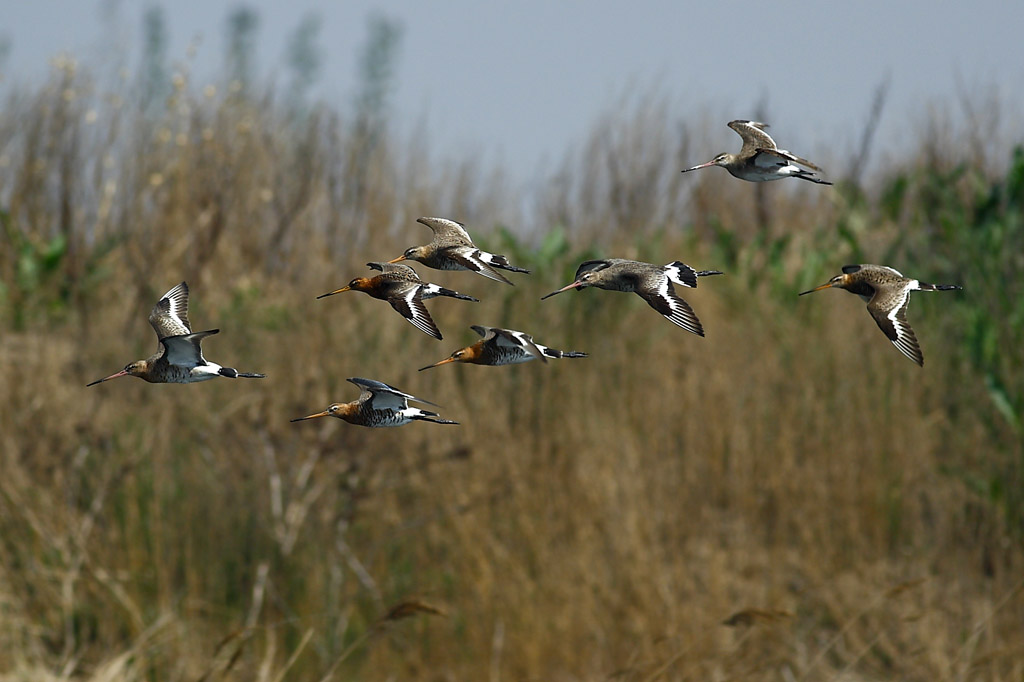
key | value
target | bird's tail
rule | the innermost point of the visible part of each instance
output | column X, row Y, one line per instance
column 427, row 416
column 432, row 290
column 925, row 286
column 497, row 261
column 555, row 353
column 232, row 373
column 681, row 273
column 455, row 294
column 810, row 177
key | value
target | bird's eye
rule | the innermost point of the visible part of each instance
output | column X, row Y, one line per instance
column 409, row 253
column 353, row 283
column 458, row 354
column 332, row 408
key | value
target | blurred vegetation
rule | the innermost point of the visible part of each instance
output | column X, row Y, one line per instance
column 788, row 498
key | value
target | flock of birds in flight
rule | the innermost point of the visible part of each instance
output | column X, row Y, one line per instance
column 179, row 357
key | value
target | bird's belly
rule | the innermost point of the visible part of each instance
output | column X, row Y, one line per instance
column 379, row 419
column 441, row 262
column 510, row 357
column 755, row 173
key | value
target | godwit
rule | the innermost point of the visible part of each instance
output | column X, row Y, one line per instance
column 887, row 293
column 760, row 159
column 379, row 405
column 179, row 359
column 453, row 249
column 653, row 283
column 504, row 347
column 400, row 286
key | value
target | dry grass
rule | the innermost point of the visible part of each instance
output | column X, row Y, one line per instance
column 787, row 499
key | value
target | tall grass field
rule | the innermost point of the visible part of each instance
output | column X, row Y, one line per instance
column 787, row 499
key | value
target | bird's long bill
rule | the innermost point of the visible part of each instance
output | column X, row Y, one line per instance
column 122, row 373
column 703, row 165
column 565, row 288
column 397, row 260
column 827, row 285
column 438, row 363
column 332, row 293
column 325, row 413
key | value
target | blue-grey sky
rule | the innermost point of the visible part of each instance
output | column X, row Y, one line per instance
column 518, row 83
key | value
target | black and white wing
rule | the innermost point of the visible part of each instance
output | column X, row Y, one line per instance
column 665, row 300
column 169, row 316
column 892, row 320
column 409, row 304
column 472, row 258
column 510, row 338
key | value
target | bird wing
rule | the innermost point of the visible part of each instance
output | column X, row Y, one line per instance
column 486, row 332
column 184, row 350
column 598, row 264
column 409, row 304
column 384, row 396
column 169, row 316
column 510, row 338
column 447, row 230
column 665, row 300
column 850, row 269
column 469, row 258
column 893, row 323
column 754, row 136
column 770, row 156
column 393, row 268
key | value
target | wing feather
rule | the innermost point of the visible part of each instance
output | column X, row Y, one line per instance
column 754, row 136
column 469, row 258
column 184, row 350
column 445, row 229
column 410, row 306
column 169, row 316
column 785, row 155
column 893, row 323
column 514, row 339
column 379, row 391
column 667, row 302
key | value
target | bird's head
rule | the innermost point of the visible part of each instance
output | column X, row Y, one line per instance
column 133, row 369
column 467, row 354
column 357, row 284
column 412, row 253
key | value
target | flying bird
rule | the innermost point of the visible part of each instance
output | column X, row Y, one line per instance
column 760, row 159
column 400, row 286
column 504, row 347
column 179, row 357
column 887, row 292
column 453, row 249
column 653, row 283
column 379, row 405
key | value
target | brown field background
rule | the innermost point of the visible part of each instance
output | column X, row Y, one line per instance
column 788, row 499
